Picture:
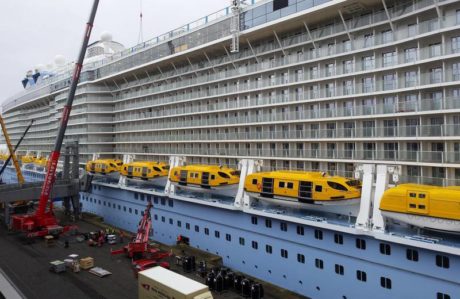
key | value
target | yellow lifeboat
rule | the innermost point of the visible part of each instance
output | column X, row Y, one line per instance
column 423, row 206
column 145, row 170
column 310, row 190
column 41, row 161
column 27, row 159
column 213, row 178
column 104, row 166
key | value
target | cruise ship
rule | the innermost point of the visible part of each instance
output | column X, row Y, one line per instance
column 361, row 89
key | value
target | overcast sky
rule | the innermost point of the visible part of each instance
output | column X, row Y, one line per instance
column 34, row 31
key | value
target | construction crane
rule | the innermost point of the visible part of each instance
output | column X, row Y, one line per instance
column 43, row 222
column 12, row 155
column 18, row 171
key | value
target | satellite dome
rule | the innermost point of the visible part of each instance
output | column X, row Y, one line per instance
column 106, row 36
column 59, row 60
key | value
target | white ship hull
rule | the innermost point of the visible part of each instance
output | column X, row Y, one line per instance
column 225, row 190
column 344, row 207
column 448, row 225
column 161, row 180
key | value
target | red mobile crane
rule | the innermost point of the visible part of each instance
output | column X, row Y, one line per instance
column 139, row 248
column 43, row 221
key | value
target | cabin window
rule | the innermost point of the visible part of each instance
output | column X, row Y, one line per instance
column 284, row 253
column 361, row 275
column 412, row 206
column 171, row 221
column 228, row 237
column 255, row 245
column 268, row 223
column 318, row 188
column 163, row 219
column 422, row 207
column 213, row 177
column 187, row 225
column 301, row 258
column 283, row 226
column 290, row 185
column 197, row 228
column 223, row 174
column 412, row 195
column 179, row 223
column 338, row 239
column 385, row 249
column 281, row 184
column 300, row 230
column 412, row 255
column 385, row 282
column 442, row 261
column 156, row 169
column 337, row 186
column 254, row 181
column 442, row 296
column 206, row 231
column 241, row 241
column 254, row 220
column 268, row 249
column 361, row 244
column 155, row 217
column 319, row 263
column 318, row 234
column 339, row 269
column 217, row 234
column 421, row 195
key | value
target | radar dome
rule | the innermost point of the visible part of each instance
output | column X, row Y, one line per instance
column 106, row 36
column 59, row 60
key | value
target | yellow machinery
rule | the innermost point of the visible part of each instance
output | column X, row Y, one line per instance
column 144, row 170
column 27, row 159
column 423, row 200
column 11, row 150
column 304, row 187
column 206, row 176
column 41, row 161
column 104, row 166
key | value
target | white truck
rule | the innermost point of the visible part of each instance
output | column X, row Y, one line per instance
column 161, row 283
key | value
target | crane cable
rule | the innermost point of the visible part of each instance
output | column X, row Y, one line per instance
column 140, row 38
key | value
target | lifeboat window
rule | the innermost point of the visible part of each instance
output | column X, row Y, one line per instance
column 421, row 195
column 318, row 188
column 113, row 165
column 175, row 172
column 254, row 181
column 422, row 207
column 353, row 183
column 290, row 185
column 213, row 177
column 165, row 167
column 223, row 174
column 412, row 195
column 412, row 206
column 156, row 169
column 337, row 186
column 281, row 184
column 235, row 173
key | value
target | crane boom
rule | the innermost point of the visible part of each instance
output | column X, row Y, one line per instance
column 43, row 221
column 12, row 155
column 14, row 151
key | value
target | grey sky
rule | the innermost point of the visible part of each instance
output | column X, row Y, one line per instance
column 33, row 31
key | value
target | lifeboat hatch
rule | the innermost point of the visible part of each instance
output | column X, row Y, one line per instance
column 205, row 179
column 130, row 171
column 144, row 171
column 183, row 177
column 267, row 187
column 305, row 189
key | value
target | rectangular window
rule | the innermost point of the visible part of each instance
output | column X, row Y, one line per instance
column 255, row 245
column 301, row 258
column 228, row 237
column 279, row 4
column 254, row 220
column 339, row 269
column 197, row 228
column 206, row 231
column 284, row 253
column 387, row 36
column 155, row 217
column 318, row 234
column 338, row 239
column 361, row 275
column 410, row 55
column 412, row 255
column 443, row 295
column 283, row 226
column 163, row 219
column 179, row 223
column 319, row 263
column 268, row 223
column 389, row 59
column 385, row 249
column 268, row 249
column 361, row 244
column 241, row 241
column 217, row 234
column 187, row 225
column 385, row 282
column 300, row 230
column 171, row 221
column 442, row 261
